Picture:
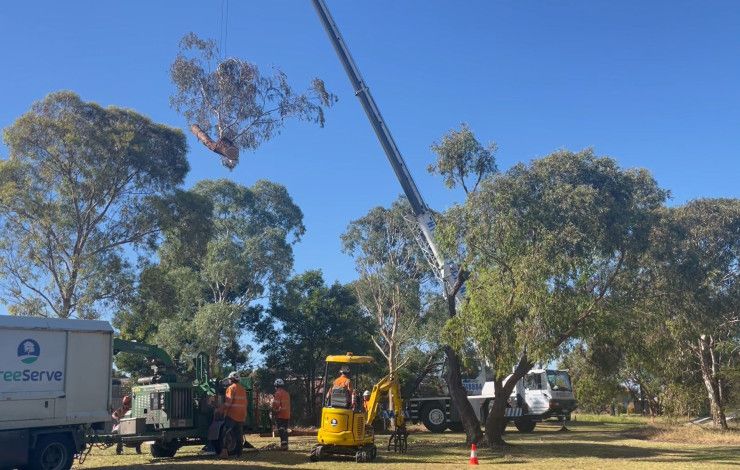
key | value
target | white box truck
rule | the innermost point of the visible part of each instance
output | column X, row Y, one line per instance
column 55, row 382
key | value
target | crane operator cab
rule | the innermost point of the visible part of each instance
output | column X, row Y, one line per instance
column 346, row 427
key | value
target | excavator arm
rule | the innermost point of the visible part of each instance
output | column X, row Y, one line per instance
column 398, row 440
column 391, row 387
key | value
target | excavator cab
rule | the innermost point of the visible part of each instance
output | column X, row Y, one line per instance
column 346, row 426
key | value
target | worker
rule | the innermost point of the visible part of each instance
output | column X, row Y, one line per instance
column 343, row 382
column 117, row 416
column 235, row 412
column 365, row 400
column 122, row 410
column 281, row 412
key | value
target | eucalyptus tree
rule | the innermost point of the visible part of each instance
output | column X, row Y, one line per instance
column 462, row 161
column 392, row 276
column 546, row 244
column 203, row 299
column 231, row 105
column 80, row 185
column 694, row 270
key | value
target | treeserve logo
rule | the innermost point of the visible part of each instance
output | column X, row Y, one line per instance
column 28, row 352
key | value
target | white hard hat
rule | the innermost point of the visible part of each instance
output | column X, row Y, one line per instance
column 366, row 393
column 279, row 382
column 233, row 376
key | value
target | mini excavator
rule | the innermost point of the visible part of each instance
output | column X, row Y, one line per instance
column 347, row 427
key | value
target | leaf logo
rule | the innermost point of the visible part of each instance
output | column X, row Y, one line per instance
column 28, row 351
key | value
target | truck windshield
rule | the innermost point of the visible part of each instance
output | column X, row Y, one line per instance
column 559, row 380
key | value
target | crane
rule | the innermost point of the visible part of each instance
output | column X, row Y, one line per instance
column 448, row 271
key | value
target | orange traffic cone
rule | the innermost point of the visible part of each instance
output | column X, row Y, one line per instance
column 473, row 455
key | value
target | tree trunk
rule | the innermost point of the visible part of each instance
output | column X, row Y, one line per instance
column 496, row 420
column 224, row 147
column 709, row 375
column 459, row 397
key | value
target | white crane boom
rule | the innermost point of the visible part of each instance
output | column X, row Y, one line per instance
column 423, row 214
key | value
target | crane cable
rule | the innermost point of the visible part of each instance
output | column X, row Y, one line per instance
column 223, row 28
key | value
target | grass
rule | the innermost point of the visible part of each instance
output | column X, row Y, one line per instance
column 593, row 442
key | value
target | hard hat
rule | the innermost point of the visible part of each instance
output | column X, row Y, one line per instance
column 366, row 393
column 344, row 370
column 127, row 401
column 234, row 376
column 279, row 382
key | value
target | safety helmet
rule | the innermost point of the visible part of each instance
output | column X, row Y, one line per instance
column 279, row 382
column 234, row 376
column 127, row 401
column 366, row 393
column 344, row 370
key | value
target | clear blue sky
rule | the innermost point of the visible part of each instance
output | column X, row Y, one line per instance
column 654, row 84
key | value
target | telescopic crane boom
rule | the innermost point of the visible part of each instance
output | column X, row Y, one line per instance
column 421, row 211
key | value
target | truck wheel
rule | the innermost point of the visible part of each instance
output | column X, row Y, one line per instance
column 525, row 425
column 433, row 417
column 52, row 452
column 160, row 449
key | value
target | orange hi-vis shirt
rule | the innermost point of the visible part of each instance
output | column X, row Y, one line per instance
column 281, row 404
column 236, row 403
column 343, row 382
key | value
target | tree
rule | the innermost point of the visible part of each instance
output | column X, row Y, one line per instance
column 307, row 321
column 694, row 268
column 392, row 273
column 201, row 299
column 232, row 98
column 461, row 161
column 78, row 187
column 547, row 244
column 594, row 375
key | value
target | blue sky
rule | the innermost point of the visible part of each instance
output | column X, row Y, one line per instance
column 652, row 84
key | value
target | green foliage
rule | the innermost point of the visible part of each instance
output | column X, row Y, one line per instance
column 307, row 321
column 595, row 384
column 201, row 294
column 80, row 184
column 460, row 156
column 547, row 244
column 393, row 272
column 233, row 98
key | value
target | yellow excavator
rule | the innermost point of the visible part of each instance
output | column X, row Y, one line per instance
column 347, row 424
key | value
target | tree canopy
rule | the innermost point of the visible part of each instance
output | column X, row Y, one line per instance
column 234, row 99
column 201, row 300
column 546, row 244
column 80, row 184
column 306, row 321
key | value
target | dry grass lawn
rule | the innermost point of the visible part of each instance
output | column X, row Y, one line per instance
column 593, row 442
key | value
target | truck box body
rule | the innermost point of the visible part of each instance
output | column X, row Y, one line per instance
column 54, row 372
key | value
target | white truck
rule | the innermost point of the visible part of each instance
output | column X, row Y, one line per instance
column 541, row 394
column 55, row 384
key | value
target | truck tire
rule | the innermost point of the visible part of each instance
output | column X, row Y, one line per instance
column 52, row 452
column 433, row 416
column 525, row 425
column 160, row 449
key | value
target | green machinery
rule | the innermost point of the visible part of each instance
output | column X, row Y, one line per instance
column 174, row 412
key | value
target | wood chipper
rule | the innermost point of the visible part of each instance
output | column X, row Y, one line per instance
column 346, row 422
